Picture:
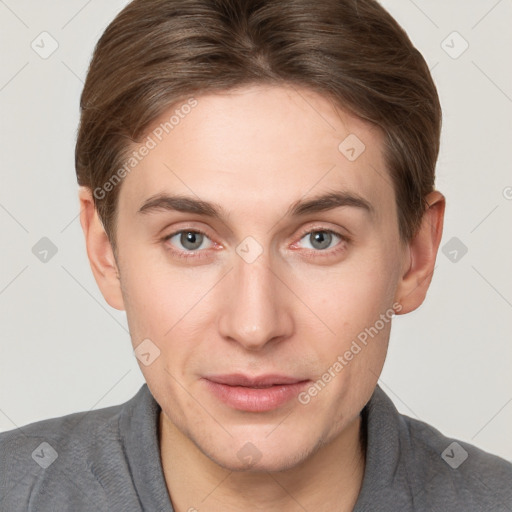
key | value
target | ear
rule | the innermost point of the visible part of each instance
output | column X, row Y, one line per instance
column 422, row 251
column 99, row 250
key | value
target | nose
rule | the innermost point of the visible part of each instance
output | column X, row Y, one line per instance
column 257, row 310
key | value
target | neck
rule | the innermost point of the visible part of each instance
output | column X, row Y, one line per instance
column 330, row 479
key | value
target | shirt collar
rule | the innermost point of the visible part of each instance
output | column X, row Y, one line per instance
column 138, row 425
column 385, row 481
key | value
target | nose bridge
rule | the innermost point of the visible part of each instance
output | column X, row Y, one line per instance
column 256, row 311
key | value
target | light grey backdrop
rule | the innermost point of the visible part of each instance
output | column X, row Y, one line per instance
column 63, row 349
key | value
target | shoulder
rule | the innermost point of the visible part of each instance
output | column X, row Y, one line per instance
column 73, row 431
column 452, row 471
column 58, row 459
column 411, row 465
column 83, row 423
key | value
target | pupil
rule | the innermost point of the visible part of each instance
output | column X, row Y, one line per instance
column 321, row 239
column 191, row 240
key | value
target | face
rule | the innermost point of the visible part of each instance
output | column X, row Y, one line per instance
column 260, row 260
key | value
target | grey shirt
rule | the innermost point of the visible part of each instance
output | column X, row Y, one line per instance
column 109, row 460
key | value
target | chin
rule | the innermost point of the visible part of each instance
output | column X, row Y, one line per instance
column 262, row 457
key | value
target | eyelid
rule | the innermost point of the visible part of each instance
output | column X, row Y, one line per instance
column 322, row 252
column 184, row 253
column 316, row 229
column 185, row 230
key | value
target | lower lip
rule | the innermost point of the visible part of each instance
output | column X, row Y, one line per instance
column 255, row 399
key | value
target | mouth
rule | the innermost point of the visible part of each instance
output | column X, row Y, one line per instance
column 254, row 393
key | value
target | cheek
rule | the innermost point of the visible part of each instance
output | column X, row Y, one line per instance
column 159, row 304
column 157, row 294
column 354, row 294
column 350, row 302
column 165, row 304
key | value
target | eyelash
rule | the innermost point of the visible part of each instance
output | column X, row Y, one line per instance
column 201, row 254
column 186, row 254
column 341, row 246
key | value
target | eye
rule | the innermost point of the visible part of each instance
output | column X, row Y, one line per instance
column 189, row 240
column 321, row 239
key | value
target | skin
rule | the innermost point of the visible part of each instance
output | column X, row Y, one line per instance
column 296, row 308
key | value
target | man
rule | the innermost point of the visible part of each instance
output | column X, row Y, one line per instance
column 257, row 193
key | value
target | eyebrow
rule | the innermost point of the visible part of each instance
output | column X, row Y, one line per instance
column 186, row 204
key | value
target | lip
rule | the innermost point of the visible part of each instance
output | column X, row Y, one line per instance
column 255, row 393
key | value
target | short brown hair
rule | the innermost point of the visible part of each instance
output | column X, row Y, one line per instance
column 157, row 53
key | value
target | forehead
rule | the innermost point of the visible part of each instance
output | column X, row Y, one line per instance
column 259, row 145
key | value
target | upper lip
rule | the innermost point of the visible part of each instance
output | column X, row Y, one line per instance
column 238, row 379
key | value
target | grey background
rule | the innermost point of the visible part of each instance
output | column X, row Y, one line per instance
column 63, row 349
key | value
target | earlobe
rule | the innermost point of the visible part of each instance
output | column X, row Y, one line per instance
column 422, row 251
column 99, row 251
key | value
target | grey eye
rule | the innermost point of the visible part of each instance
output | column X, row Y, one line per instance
column 320, row 240
column 189, row 240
